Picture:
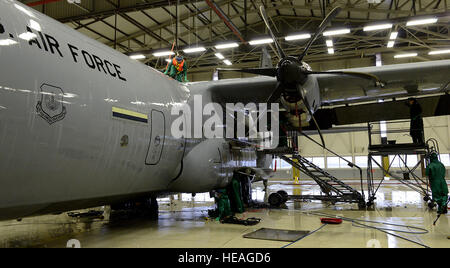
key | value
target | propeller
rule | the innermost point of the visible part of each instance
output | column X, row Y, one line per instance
column 324, row 24
column 292, row 73
column 266, row 21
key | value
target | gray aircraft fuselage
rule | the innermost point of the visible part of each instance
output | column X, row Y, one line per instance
column 82, row 125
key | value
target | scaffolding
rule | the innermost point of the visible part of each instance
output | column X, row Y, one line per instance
column 400, row 152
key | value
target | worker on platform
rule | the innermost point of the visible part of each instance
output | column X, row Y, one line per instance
column 416, row 128
column 436, row 172
column 177, row 68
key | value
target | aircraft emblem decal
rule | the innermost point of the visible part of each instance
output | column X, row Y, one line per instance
column 51, row 106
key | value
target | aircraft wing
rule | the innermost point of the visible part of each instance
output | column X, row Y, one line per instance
column 241, row 90
column 400, row 80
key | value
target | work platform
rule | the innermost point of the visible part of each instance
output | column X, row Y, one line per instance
column 399, row 151
column 333, row 189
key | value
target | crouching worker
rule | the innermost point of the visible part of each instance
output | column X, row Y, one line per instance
column 436, row 172
column 223, row 205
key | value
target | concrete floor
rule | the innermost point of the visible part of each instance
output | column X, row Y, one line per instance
column 182, row 223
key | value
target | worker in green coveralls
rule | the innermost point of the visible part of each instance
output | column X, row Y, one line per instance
column 436, row 172
column 177, row 69
column 237, row 203
column 223, row 205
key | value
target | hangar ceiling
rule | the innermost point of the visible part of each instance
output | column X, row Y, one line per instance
column 147, row 26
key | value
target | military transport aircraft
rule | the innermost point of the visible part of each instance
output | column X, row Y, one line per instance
column 82, row 125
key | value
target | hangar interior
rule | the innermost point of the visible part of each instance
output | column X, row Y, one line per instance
column 146, row 30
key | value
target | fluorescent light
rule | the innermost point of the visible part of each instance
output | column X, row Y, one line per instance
column 391, row 44
column 227, row 62
column 377, row 27
column 297, row 37
column 393, row 36
column 437, row 52
column 7, row 42
column 220, row 56
column 137, row 57
column 229, row 45
column 261, row 41
column 163, row 53
column 336, row 32
column 329, row 43
column 194, row 50
column 405, row 55
column 331, row 51
column 27, row 36
column 421, row 21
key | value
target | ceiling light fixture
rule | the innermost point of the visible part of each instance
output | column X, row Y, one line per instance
column 336, row 32
column 391, row 44
column 137, row 57
column 261, row 41
column 163, row 53
column 405, row 55
column 377, row 27
column 437, row 52
column 393, row 36
column 220, row 56
column 194, row 50
column 225, row 46
column 421, row 21
column 297, row 37
column 329, row 43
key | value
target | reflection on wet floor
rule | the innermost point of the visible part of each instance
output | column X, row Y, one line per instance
column 183, row 222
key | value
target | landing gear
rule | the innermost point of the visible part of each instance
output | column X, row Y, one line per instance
column 284, row 195
column 145, row 207
column 278, row 198
column 275, row 199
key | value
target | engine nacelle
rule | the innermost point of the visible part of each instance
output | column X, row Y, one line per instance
column 203, row 168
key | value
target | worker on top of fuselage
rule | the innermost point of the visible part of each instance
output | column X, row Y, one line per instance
column 436, row 172
column 177, row 68
column 416, row 128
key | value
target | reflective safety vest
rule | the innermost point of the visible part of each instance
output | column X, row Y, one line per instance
column 178, row 65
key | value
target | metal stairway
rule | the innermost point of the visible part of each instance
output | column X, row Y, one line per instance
column 334, row 189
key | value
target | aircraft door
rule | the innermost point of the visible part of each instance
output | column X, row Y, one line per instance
column 157, row 138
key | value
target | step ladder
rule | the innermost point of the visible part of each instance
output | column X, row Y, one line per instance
column 335, row 190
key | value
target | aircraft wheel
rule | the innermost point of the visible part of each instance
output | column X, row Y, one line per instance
column 284, row 195
column 275, row 199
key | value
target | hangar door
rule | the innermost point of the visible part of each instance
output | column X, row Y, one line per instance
column 157, row 138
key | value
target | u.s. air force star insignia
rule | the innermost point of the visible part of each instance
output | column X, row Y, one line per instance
column 51, row 106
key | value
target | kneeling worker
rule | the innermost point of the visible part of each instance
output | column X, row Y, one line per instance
column 436, row 172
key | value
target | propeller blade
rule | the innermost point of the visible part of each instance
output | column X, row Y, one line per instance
column 308, row 107
column 368, row 76
column 259, row 71
column 315, row 121
column 320, row 30
column 266, row 21
column 275, row 94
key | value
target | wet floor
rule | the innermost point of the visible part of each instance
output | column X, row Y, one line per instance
column 183, row 223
